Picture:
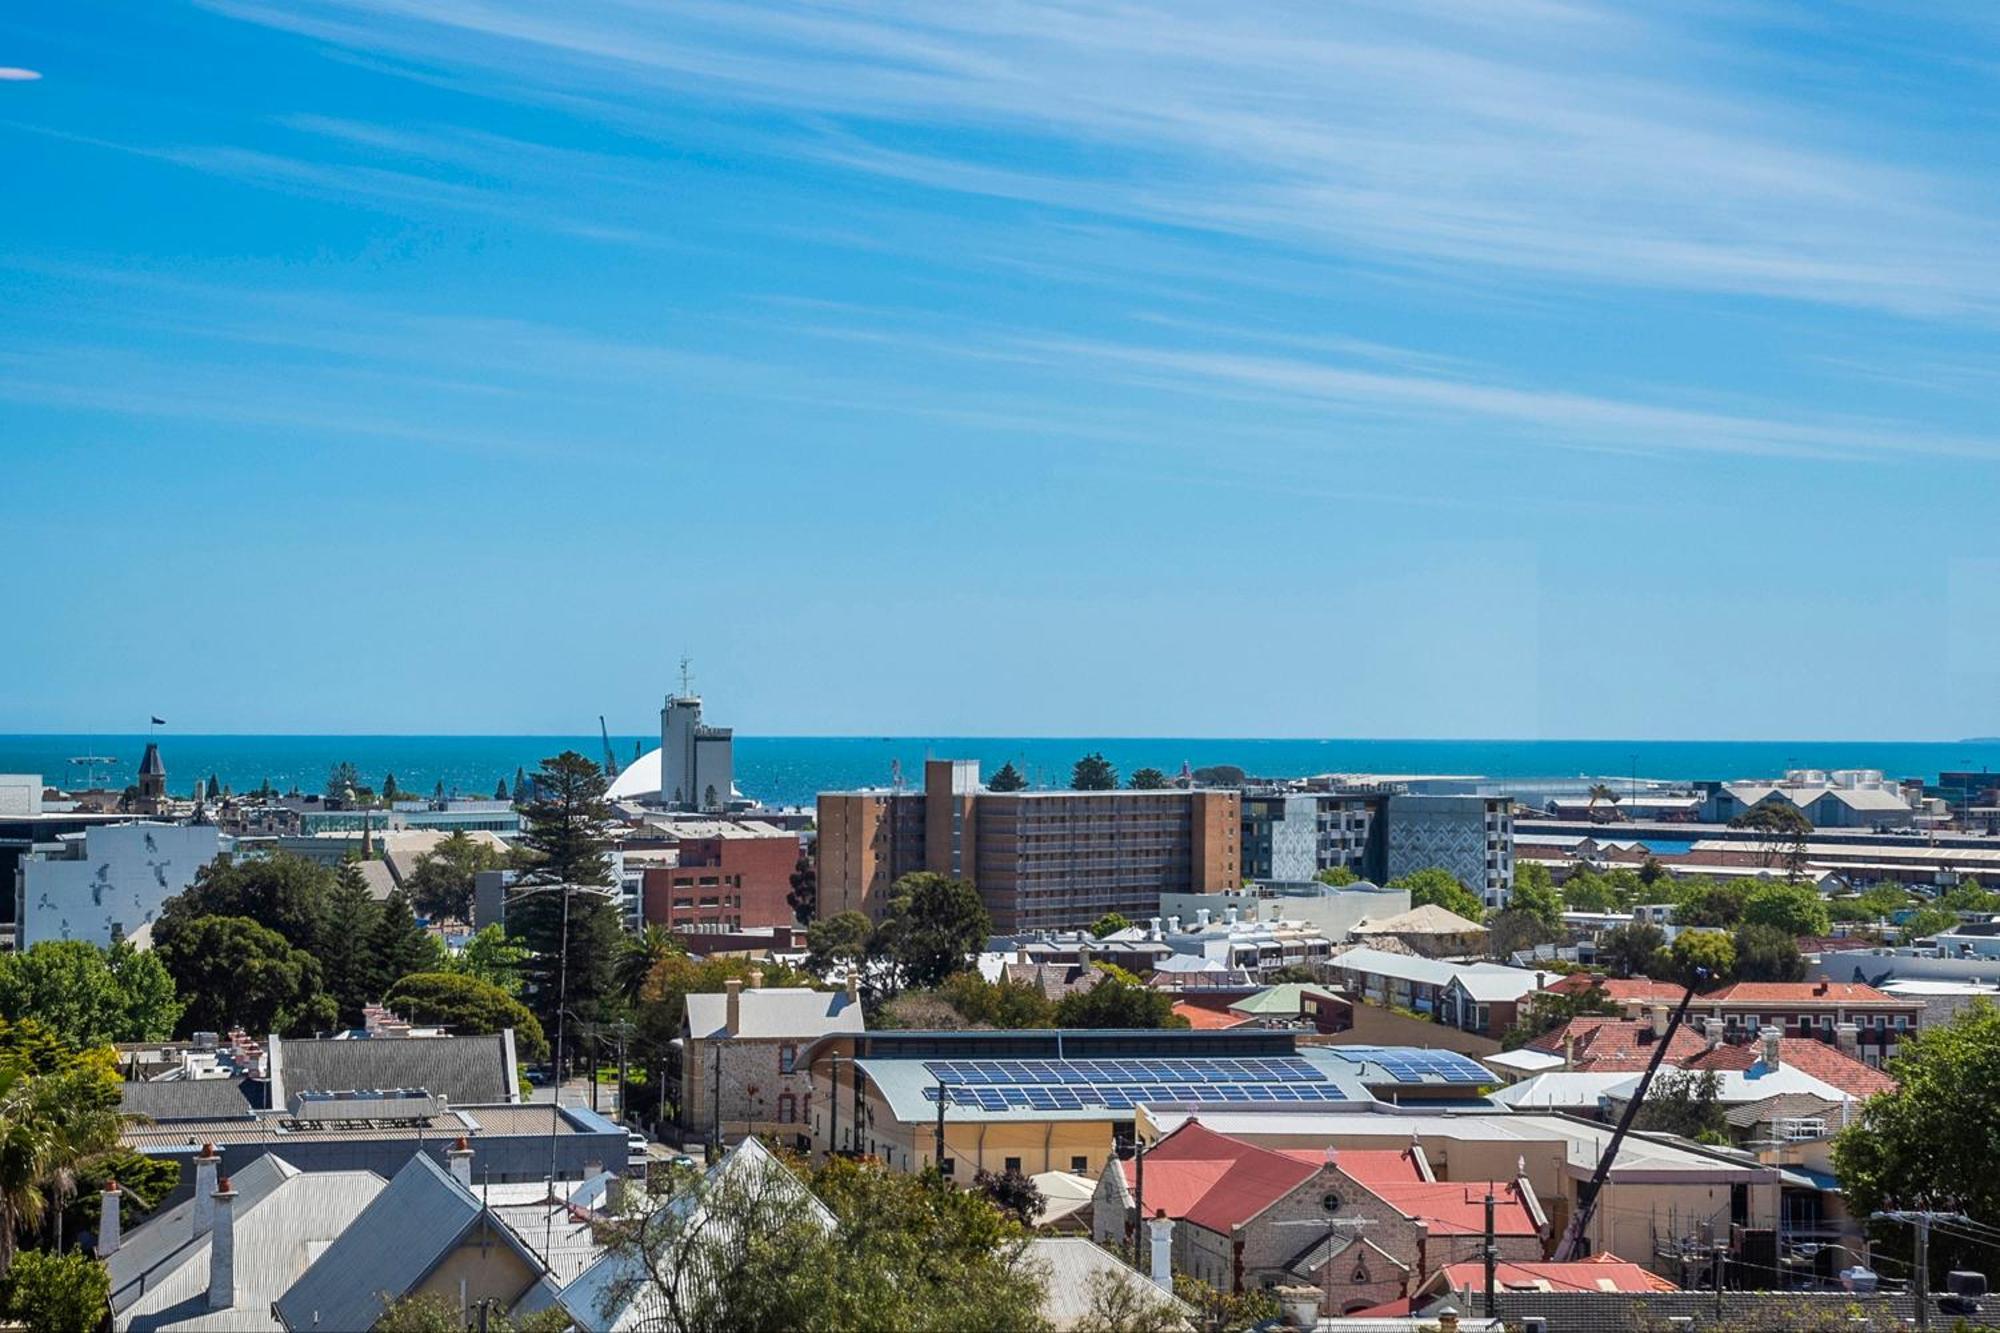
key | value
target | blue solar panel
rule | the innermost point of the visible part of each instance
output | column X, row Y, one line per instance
column 1407, row 1064
column 1069, row 1085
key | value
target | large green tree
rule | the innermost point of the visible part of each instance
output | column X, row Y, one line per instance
column 56, row 1293
column 1433, row 885
column 838, row 942
column 355, row 976
column 1628, row 949
column 1545, row 1011
column 1766, row 953
column 491, row 957
column 467, row 1007
column 1714, row 904
column 1007, row 779
column 232, row 972
column 1118, row 1001
column 287, row 894
column 58, row 1114
column 1149, row 779
column 441, row 882
column 1536, row 894
column 1927, row 1143
column 88, row 995
column 934, row 924
column 1337, row 877
column 1782, row 830
column 1687, row 1103
column 400, row 945
column 1796, row 909
column 1093, row 772
column 564, row 912
column 802, row 895
column 1706, row 958
column 1000, row 1004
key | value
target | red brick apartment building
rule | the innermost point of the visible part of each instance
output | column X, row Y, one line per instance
column 731, row 876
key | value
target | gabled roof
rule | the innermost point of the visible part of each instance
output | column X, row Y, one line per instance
column 1600, row 1272
column 1826, row 1063
column 1075, row 1266
column 1429, row 919
column 1624, row 990
column 283, row 1218
column 1369, row 1165
column 1214, row 1181
column 1603, row 1043
column 771, row 1013
column 1054, row 980
column 1792, row 994
column 403, row 1234
column 1784, row 1106
column 462, row 1069
column 614, row 1294
column 1458, row 1207
column 185, row 1099
column 1286, row 999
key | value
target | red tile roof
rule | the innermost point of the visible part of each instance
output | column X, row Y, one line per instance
column 1828, row 1064
column 1790, row 994
column 1458, row 1207
column 1612, row 1045
column 1215, row 1181
column 1624, row 990
column 1600, row 1272
column 1200, row 1016
column 1367, row 1165
column 1606, row 1044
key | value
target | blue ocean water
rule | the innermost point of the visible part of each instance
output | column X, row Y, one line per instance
column 789, row 770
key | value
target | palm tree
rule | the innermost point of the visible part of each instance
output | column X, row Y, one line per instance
column 641, row 954
column 50, row 1126
column 1600, row 791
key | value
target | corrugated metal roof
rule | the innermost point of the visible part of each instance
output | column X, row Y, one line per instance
column 284, row 1217
column 770, row 1012
column 415, row 1221
column 186, row 1099
column 464, row 1069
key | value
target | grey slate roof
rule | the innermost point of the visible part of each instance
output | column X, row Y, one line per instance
column 775, row 1012
column 186, row 1099
column 283, row 1218
column 463, row 1069
column 417, row 1219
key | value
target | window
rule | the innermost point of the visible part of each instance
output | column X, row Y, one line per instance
column 1014, row 1165
column 788, row 1109
column 788, row 1058
column 1080, row 1165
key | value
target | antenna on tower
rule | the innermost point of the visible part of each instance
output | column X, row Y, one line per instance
column 687, row 678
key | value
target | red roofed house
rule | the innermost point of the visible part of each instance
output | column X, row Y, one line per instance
column 1364, row 1226
column 1600, row 1272
column 1611, row 1045
column 1815, row 1010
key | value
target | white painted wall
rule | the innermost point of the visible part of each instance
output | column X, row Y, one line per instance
column 126, row 873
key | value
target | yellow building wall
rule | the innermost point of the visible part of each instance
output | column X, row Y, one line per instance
column 487, row 1267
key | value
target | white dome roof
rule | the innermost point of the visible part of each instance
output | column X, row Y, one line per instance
column 640, row 778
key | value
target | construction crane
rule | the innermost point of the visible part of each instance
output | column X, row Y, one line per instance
column 1586, row 1197
column 610, row 759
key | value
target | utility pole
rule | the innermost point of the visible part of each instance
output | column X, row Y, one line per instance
column 944, row 1095
column 1491, row 1253
column 1921, row 1219
column 1138, row 1200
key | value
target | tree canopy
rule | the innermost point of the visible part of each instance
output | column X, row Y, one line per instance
column 468, row 1007
column 1687, row 1103
column 1093, row 772
column 1435, row 885
column 803, row 895
column 87, row 995
column 1913, row 1147
column 837, row 941
column 230, row 972
column 1109, row 924
column 1795, row 909
column 1535, row 893
column 1705, row 958
column 441, row 882
column 1766, row 953
column 1007, row 778
column 933, row 925
column 571, row 932
column 1628, row 950
column 1149, row 779
column 1118, row 1001
column 1337, row 877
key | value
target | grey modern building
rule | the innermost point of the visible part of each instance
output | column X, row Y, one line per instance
column 1471, row 836
column 697, row 762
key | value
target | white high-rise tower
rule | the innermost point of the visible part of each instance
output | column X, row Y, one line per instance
column 697, row 762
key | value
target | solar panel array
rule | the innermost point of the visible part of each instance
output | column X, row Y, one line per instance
column 1073, row 1085
column 1410, row 1064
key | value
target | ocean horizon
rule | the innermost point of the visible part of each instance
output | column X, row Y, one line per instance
column 791, row 770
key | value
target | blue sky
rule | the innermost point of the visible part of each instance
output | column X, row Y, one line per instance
column 1388, row 369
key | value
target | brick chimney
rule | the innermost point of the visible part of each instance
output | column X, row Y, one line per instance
column 1773, row 1043
column 1847, row 1036
column 733, row 988
column 756, row 978
column 853, row 986
column 204, row 1189
column 459, row 1155
column 108, row 1231
column 1160, row 1230
column 1660, row 1016
column 222, row 1249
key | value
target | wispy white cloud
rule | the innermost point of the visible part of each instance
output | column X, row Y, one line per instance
column 1596, row 142
column 15, row 74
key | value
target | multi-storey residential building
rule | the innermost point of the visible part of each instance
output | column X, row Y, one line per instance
column 728, row 875
column 1471, row 836
column 1293, row 835
column 1042, row 860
